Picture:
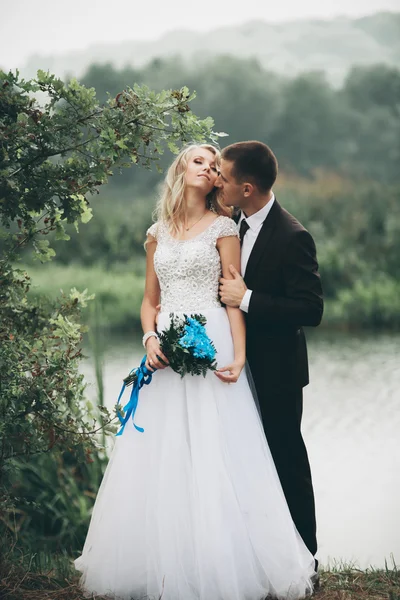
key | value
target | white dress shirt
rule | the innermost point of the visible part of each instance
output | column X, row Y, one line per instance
column 255, row 223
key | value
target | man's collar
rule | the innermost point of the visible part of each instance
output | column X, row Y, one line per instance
column 255, row 221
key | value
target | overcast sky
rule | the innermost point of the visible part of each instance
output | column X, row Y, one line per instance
column 49, row 27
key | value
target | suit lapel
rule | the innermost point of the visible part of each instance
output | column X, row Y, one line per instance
column 262, row 242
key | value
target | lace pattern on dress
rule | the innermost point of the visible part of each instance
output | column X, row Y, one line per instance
column 189, row 270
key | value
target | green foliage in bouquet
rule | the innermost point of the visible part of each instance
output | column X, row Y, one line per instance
column 186, row 345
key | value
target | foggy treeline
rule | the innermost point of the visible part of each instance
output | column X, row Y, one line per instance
column 339, row 158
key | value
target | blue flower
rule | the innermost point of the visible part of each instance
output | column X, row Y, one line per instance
column 196, row 338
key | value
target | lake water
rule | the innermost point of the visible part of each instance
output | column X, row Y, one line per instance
column 351, row 426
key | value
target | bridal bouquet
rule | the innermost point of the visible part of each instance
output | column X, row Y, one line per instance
column 189, row 351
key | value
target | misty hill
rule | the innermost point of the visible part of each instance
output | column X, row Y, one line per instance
column 289, row 48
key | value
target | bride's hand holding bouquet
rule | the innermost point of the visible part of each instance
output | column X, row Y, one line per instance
column 156, row 359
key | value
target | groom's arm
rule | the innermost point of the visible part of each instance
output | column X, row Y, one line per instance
column 303, row 302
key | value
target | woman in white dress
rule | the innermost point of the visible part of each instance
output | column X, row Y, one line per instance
column 192, row 508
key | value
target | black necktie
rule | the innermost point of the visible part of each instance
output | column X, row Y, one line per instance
column 244, row 226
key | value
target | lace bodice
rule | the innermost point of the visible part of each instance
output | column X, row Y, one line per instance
column 189, row 270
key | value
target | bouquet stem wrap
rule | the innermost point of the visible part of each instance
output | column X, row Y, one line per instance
column 143, row 377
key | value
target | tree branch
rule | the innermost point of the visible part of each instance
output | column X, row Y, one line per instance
column 56, row 153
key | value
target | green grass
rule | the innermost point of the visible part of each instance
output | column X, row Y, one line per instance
column 52, row 577
column 347, row 582
column 118, row 290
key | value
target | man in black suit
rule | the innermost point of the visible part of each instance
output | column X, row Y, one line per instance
column 280, row 292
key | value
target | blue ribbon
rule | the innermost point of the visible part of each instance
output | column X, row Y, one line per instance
column 144, row 377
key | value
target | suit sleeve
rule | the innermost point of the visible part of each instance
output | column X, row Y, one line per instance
column 302, row 303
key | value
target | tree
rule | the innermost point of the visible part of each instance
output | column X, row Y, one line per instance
column 310, row 131
column 240, row 94
column 373, row 94
column 373, row 86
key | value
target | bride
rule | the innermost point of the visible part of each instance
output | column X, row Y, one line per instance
column 192, row 509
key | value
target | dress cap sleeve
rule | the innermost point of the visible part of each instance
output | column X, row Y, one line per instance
column 153, row 230
column 227, row 227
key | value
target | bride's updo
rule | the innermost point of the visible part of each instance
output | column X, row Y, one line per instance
column 171, row 206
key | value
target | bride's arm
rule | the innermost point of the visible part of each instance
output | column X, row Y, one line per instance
column 229, row 251
column 148, row 311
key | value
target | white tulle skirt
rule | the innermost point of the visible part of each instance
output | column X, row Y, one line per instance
column 192, row 509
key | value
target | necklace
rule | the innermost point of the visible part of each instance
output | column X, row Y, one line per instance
column 195, row 223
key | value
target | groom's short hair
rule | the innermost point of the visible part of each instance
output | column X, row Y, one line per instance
column 254, row 162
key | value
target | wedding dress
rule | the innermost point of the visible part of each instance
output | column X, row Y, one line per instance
column 192, row 508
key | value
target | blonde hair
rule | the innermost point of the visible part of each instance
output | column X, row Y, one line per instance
column 171, row 206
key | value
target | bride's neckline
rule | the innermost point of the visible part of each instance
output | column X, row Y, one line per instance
column 195, row 236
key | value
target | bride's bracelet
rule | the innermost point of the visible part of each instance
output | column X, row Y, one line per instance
column 148, row 335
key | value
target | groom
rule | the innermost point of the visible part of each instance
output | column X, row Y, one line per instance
column 279, row 293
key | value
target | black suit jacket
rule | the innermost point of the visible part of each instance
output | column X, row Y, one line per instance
column 282, row 272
